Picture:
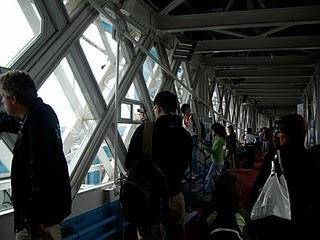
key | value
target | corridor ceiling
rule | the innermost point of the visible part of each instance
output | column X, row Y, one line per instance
column 265, row 50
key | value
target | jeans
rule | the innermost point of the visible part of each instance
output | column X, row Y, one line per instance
column 214, row 171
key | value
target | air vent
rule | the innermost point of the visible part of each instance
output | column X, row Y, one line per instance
column 184, row 50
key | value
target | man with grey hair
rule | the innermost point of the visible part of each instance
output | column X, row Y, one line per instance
column 41, row 194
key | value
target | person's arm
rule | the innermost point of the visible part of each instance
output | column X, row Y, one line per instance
column 9, row 124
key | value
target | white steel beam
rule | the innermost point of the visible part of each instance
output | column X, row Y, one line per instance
column 271, row 86
column 259, row 44
column 279, row 97
column 276, row 79
column 228, row 32
column 260, row 61
column 172, row 5
column 266, row 85
column 271, row 94
column 304, row 72
column 241, row 19
column 259, row 92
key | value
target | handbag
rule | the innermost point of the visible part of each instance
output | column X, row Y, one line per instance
column 273, row 200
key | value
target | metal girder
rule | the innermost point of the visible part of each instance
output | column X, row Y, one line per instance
column 259, row 44
column 163, row 57
column 31, row 16
column 168, row 83
column 273, row 31
column 141, row 15
column 140, row 83
column 273, row 94
column 275, row 80
column 270, row 86
column 106, row 121
column 50, row 54
column 261, row 90
column 227, row 109
column 231, row 33
column 280, row 98
column 241, row 19
column 276, row 102
column 303, row 72
column 172, row 5
column 86, row 80
column 260, row 61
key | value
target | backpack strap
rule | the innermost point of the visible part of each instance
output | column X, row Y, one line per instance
column 147, row 138
column 235, row 232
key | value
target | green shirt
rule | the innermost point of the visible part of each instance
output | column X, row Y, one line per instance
column 217, row 151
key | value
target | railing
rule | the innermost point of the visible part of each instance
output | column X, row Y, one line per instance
column 104, row 222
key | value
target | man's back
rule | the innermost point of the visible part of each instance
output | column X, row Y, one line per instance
column 171, row 149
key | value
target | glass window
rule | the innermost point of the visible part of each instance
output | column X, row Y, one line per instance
column 132, row 93
column 5, row 185
column 132, row 112
column 126, row 111
column 241, row 116
column 223, row 105
column 137, row 114
column 75, row 118
column 126, row 131
column 5, row 197
column 152, row 74
column 182, row 94
column 100, row 50
column 231, row 108
column 215, row 99
column 71, row 5
column 5, row 160
column 101, row 169
column 20, row 22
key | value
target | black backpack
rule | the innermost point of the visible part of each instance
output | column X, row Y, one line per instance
column 225, row 228
column 144, row 194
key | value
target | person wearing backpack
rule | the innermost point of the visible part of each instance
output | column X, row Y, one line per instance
column 223, row 218
column 172, row 153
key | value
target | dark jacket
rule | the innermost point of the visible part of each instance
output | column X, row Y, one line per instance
column 39, row 173
column 297, row 167
column 171, row 149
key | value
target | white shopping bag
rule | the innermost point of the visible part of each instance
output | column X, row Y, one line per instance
column 273, row 200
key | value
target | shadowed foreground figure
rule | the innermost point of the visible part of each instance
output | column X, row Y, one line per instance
column 302, row 185
column 40, row 182
column 172, row 151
